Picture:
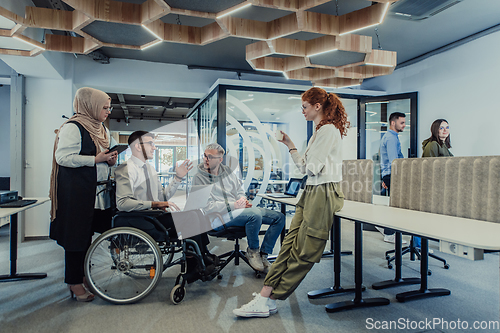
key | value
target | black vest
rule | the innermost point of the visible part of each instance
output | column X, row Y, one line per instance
column 76, row 195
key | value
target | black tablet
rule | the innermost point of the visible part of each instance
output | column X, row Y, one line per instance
column 118, row 148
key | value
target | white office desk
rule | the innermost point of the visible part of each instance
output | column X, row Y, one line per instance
column 469, row 232
column 474, row 233
column 12, row 212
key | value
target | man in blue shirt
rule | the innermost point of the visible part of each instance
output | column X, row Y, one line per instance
column 390, row 148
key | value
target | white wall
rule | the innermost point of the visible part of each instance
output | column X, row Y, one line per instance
column 459, row 85
column 5, row 131
column 47, row 101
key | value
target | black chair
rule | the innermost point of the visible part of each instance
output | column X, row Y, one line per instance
column 5, row 183
column 233, row 234
column 413, row 251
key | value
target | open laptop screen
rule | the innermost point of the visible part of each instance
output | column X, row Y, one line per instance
column 293, row 186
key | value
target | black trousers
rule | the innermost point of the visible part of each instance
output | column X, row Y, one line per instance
column 74, row 261
column 202, row 239
column 387, row 180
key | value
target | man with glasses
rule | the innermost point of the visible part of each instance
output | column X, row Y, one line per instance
column 138, row 188
column 228, row 198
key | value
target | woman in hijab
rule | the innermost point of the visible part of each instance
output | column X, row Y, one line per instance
column 79, row 206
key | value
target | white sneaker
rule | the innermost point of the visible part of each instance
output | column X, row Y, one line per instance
column 271, row 304
column 265, row 262
column 254, row 259
column 392, row 239
column 255, row 308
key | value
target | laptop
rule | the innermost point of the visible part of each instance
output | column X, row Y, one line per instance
column 18, row 203
column 198, row 197
column 190, row 222
column 292, row 189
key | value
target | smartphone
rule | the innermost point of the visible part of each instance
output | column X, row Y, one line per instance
column 118, row 148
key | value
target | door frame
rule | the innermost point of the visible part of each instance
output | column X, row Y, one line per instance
column 412, row 96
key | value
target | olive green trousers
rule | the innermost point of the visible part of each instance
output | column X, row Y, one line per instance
column 306, row 239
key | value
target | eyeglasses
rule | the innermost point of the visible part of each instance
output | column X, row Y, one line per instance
column 151, row 143
column 108, row 108
column 443, row 128
column 210, row 157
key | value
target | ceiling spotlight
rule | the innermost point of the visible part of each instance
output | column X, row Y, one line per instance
column 143, row 96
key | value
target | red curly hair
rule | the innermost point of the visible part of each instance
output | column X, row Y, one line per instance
column 333, row 110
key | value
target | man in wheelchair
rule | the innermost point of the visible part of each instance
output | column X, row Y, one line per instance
column 138, row 188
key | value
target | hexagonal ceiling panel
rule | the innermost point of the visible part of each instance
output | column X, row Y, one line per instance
column 337, row 58
column 209, row 6
column 117, row 33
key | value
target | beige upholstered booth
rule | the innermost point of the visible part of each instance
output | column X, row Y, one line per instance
column 357, row 180
column 466, row 187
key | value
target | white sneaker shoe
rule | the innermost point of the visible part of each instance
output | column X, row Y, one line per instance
column 266, row 263
column 254, row 259
column 392, row 239
column 271, row 304
column 255, row 308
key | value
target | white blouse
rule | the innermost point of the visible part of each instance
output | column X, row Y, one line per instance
column 67, row 155
column 322, row 161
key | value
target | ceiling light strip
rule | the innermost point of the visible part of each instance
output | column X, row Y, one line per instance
column 248, row 4
column 152, row 32
column 152, row 44
column 379, row 65
column 350, row 32
column 384, row 13
column 322, row 52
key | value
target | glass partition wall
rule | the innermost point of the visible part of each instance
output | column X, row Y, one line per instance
column 244, row 121
column 376, row 119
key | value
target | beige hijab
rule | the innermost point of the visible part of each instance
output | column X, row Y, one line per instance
column 88, row 105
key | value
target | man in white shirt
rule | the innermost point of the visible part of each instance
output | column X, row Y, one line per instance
column 138, row 188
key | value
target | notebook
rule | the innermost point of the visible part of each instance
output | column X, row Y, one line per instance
column 292, row 189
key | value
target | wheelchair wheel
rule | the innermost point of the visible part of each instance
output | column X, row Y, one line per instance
column 177, row 294
column 123, row 265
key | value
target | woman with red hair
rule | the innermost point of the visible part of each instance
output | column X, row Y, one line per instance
column 306, row 239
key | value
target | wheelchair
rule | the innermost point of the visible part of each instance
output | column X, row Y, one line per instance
column 125, row 264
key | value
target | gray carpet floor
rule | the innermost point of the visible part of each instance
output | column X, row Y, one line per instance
column 44, row 305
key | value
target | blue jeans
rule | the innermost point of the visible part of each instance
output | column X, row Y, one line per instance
column 252, row 219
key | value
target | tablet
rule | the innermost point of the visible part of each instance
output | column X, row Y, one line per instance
column 118, row 148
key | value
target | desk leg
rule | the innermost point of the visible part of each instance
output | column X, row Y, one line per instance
column 358, row 301
column 283, row 232
column 13, row 276
column 336, row 289
column 423, row 292
column 398, row 280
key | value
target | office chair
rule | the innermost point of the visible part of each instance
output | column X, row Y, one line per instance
column 414, row 251
column 233, row 234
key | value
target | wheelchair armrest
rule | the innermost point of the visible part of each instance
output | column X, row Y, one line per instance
column 149, row 215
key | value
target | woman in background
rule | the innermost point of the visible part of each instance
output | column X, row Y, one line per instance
column 438, row 143
column 79, row 207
